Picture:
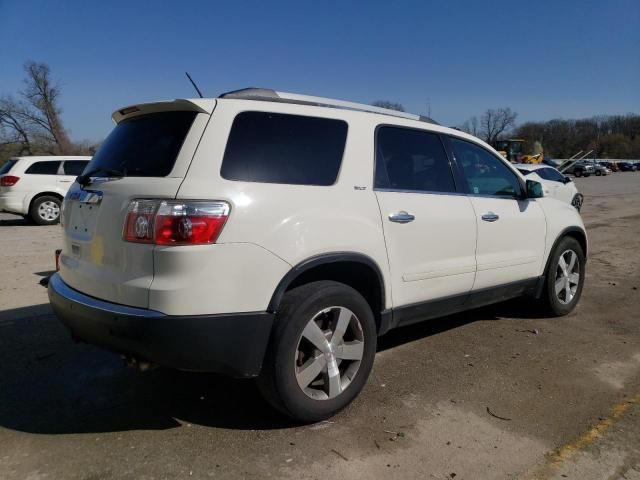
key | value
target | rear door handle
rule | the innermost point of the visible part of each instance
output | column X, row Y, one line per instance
column 401, row 217
column 490, row 217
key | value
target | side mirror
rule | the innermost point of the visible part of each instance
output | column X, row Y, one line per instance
column 534, row 189
column 566, row 180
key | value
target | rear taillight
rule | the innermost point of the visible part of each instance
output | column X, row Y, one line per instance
column 8, row 181
column 175, row 222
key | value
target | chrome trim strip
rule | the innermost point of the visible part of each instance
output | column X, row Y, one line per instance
column 63, row 290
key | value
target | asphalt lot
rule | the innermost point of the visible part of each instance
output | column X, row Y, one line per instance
column 567, row 391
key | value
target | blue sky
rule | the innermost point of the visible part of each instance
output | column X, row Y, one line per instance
column 544, row 59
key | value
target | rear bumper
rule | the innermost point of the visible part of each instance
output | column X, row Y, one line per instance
column 11, row 204
column 233, row 344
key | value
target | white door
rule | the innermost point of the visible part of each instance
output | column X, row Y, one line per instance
column 511, row 230
column 430, row 230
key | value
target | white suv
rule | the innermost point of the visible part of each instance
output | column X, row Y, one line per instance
column 35, row 186
column 272, row 235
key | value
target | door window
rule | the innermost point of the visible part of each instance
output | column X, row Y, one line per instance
column 43, row 168
column 413, row 160
column 74, row 167
column 485, row 173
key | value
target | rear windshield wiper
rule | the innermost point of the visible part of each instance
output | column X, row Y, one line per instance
column 85, row 179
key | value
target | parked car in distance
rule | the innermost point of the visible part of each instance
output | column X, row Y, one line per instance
column 613, row 166
column 600, row 170
column 627, row 167
column 554, row 183
column 581, row 169
column 35, row 186
column 273, row 235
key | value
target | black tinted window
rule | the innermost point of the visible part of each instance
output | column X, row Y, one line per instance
column 412, row 160
column 74, row 167
column 6, row 166
column 43, row 168
column 278, row 148
column 144, row 146
column 551, row 174
column 485, row 173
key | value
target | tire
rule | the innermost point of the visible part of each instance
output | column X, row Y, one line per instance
column 578, row 173
column 598, row 173
column 559, row 303
column 314, row 311
column 45, row 210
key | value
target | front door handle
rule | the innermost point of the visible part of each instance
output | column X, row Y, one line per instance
column 490, row 217
column 401, row 217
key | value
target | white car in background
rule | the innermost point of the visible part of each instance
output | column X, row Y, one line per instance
column 554, row 183
column 35, row 186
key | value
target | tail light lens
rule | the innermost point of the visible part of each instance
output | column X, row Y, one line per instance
column 8, row 181
column 175, row 222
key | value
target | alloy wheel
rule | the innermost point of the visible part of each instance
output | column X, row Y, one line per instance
column 329, row 353
column 49, row 211
column 567, row 277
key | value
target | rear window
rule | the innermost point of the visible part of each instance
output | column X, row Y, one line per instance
column 74, row 167
column 144, row 146
column 43, row 168
column 279, row 148
column 6, row 166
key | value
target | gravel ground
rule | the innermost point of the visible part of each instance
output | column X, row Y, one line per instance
column 498, row 392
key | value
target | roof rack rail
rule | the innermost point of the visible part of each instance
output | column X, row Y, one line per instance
column 269, row 95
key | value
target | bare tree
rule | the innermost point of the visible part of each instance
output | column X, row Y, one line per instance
column 389, row 105
column 42, row 110
column 12, row 127
column 470, row 126
column 494, row 123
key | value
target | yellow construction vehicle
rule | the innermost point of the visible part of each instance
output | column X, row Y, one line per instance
column 511, row 149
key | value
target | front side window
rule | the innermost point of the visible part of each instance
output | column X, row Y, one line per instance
column 413, row 160
column 551, row 174
column 484, row 172
column 282, row 148
column 43, row 168
column 74, row 167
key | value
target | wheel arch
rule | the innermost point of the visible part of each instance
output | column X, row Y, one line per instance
column 354, row 269
column 575, row 232
column 43, row 194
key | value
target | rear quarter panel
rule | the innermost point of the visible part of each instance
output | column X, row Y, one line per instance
column 292, row 222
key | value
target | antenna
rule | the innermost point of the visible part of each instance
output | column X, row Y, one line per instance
column 194, row 84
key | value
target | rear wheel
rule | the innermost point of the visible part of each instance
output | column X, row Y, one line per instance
column 598, row 173
column 565, row 277
column 45, row 210
column 578, row 173
column 321, row 351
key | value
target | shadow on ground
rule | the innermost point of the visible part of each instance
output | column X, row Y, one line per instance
column 51, row 385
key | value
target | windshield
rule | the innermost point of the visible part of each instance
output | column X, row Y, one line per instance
column 143, row 146
column 6, row 166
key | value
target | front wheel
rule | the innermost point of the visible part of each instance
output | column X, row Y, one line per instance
column 321, row 351
column 578, row 173
column 565, row 277
column 45, row 210
column 598, row 173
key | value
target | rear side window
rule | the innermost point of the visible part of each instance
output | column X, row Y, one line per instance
column 412, row 160
column 485, row 173
column 43, row 168
column 144, row 146
column 74, row 167
column 279, row 148
column 6, row 166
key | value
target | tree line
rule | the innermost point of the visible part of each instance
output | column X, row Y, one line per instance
column 31, row 123
column 608, row 136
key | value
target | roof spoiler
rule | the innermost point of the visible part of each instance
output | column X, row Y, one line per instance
column 201, row 105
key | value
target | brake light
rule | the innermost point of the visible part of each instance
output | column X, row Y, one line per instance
column 8, row 181
column 175, row 222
